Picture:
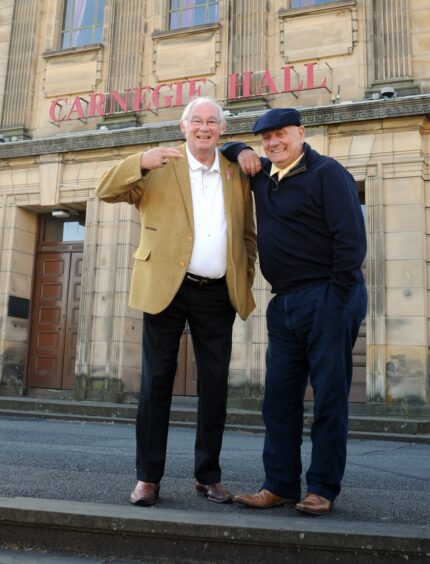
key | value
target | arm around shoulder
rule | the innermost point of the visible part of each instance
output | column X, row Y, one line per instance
column 247, row 158
column 250, row 232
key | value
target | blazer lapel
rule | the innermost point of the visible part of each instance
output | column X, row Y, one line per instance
column 183, row 178
column 228, row 176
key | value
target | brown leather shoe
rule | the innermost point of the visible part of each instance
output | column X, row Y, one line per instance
column 314, row 505
column 214, row 492
column 145, row 493
column 263, row 500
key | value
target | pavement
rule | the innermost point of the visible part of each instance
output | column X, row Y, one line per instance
column 67, row 471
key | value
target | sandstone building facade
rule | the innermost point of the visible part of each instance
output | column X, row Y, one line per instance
column 84, row 83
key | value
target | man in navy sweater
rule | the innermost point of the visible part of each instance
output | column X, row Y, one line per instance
column 312, row 244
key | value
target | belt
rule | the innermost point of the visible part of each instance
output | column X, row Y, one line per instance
column 196, row 280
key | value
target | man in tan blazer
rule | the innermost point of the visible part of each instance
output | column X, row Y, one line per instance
column 195, row 263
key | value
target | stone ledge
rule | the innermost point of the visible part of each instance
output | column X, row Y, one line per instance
column 169, row 131
column 116, row 530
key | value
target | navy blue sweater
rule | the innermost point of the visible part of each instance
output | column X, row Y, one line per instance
column 310, row 226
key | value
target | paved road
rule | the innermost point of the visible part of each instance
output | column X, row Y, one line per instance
column 384, row 482
column 13, row 556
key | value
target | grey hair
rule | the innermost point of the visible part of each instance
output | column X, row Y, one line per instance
column 202, row 100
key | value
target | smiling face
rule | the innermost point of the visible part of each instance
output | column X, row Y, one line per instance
column 202, row 129
column 284, row 146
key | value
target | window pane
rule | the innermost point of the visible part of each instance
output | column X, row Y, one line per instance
column 68, row 15
column 89, row 12
column 82, row 22
column 199, row 16
column 213, row 13
column 100, row 12
column 59, row 230
column 98, row 34
column 65, row 43
column 82, row 37
column 306, row 3
column 73, row 231
column 174, row 20
column 185, row 13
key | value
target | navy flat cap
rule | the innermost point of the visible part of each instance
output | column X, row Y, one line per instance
column 277, row 118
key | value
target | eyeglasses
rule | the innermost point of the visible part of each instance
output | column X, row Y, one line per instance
column 211, row 123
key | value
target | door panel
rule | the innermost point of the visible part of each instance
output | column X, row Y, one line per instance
column 72, row 320
column 55, row 315
column 48, row 316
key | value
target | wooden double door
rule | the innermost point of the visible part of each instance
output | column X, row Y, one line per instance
column 54, row 320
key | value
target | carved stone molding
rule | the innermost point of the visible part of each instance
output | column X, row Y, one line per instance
column 164, row 132
column 171, row 59
column 319, row 31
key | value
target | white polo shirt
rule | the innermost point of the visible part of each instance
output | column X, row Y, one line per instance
column 209, row 255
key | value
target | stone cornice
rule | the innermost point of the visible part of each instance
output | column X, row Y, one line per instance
column 169, row 131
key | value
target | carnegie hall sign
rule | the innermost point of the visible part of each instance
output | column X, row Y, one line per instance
column 175, row 94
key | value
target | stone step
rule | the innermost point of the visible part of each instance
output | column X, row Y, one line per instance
column 117, row 531
column 390, row 427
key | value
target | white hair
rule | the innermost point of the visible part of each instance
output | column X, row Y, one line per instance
column 202, row 100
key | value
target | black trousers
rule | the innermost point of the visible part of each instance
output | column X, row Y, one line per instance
column 210, row 316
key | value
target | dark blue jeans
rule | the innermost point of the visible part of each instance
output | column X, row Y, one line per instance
column 311, row 334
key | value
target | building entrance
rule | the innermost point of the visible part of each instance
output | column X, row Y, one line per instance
column 55, row 303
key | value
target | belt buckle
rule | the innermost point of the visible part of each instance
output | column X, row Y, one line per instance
column 195, row 280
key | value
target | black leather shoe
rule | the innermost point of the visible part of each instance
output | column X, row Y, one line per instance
column 214, row 492
column 145, row 493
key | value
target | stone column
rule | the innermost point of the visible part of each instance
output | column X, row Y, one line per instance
column 109, row 338
column 397, row 332
column 375, row 272
column 248, row 43
column 126, row 28
column 20, row 70
column 391, row 49
column 17, row 242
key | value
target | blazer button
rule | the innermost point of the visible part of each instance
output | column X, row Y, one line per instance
column 181, row 263
column 189, row 238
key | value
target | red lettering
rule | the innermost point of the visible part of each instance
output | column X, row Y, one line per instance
column 156, row 97
column 287, row 79
column 122, row 102
column 179, row 91
column 172, row 94
column 55, row 109
column 96, row 107
column 139, row 99
column 267, row 79
column 310, row 79
column 195, row 90
column 76, row 108
column 234, row 85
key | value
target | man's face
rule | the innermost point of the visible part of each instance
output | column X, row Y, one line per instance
column 202, row 129
column 284, row 146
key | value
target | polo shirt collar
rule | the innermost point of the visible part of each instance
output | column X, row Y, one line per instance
column 194, row 164
column 281, row 172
